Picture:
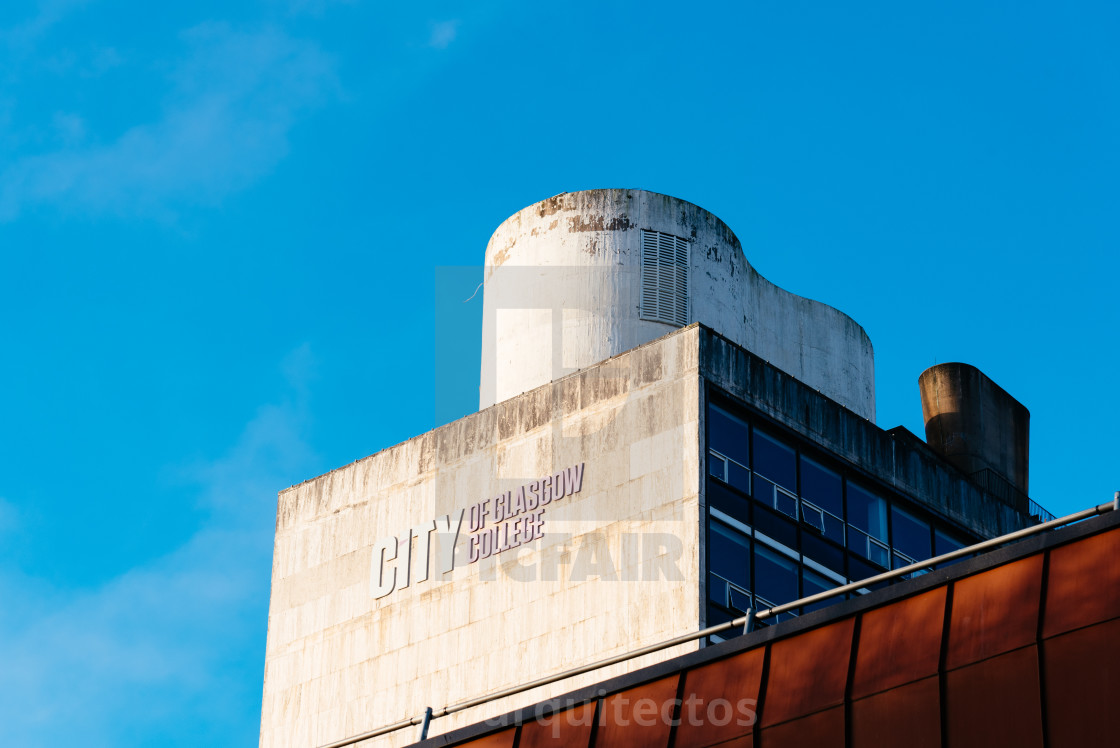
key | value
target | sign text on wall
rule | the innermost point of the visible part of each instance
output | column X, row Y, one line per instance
column 497, row 524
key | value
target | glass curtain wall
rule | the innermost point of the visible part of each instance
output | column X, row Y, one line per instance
column 785, row 521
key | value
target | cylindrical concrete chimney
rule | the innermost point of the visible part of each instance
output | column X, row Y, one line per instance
column 977, row 426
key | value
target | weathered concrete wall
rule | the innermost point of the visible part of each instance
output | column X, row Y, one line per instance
column 975, row 424
column 562, row 289
column 905, row 464
column 617, row 566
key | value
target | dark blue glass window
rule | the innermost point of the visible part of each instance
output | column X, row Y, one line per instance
column 729, row 471
column 860, row 570
column 740, row 600
column 867, row 533
column 812, row 583
column 945, row 543
column 774, row 460
column 822, row 500
column 727, row 435
column 867, row 511
column 869, row 548
column 739, row 476
column 910, row 535
column 717, row 616
column 776, row 526
column 901, row 560
column 775, row 576
column 824, row 553
column 770, row 495
column 728, row 502
column 729, row 554
column 822, row 487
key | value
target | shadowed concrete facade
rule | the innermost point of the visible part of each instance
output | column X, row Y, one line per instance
column 976, row 425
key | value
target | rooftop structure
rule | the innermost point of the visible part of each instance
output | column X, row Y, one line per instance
column 583, row 276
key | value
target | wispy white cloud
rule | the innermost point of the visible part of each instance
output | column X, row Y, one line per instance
column 225, row 123
column 111, row 665
column 443, row 33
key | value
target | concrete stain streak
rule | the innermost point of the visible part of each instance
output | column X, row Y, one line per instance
column 599, row 223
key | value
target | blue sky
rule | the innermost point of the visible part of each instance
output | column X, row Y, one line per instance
column 236, row 239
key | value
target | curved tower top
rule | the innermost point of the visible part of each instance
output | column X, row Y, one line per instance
column 583, row 276
column 976, row 425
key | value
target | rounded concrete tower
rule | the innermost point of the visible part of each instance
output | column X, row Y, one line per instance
column 582, row 276
column 976, row 425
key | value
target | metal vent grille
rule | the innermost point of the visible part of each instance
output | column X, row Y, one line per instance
column 664, row 278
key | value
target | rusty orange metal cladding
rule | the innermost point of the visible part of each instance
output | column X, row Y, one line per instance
column 899, row 643
column 808, row 672
column 995, row 612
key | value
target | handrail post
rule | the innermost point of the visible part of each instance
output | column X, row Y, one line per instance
column 424, row 725
column 748, row 625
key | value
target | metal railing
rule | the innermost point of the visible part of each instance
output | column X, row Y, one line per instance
column 1038, row 511
column 1005, row 491
column 745, row 622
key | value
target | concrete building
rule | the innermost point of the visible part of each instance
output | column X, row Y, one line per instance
column 666, row 440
